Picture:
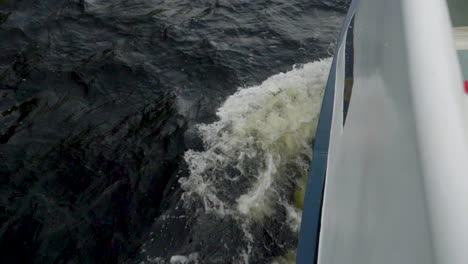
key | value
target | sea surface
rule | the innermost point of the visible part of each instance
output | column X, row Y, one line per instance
column 158, row 131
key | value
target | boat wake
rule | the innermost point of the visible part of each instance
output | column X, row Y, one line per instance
column 246, row 187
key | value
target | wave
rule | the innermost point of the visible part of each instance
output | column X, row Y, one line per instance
column 256, row 156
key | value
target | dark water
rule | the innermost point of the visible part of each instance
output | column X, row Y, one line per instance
column 98, row 104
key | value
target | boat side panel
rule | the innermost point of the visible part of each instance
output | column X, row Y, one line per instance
column 374, row 206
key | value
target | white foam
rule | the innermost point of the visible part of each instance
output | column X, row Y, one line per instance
column 155, row 260
column 180, row 259
column 259, row 148
column 294, row 216
column 254, row 198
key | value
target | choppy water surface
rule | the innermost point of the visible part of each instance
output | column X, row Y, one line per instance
column 158, row 131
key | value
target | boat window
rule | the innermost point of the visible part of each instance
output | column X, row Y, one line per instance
column 349, row 61
column 458, row 14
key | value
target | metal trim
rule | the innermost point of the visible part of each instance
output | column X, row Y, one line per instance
column 307, row 252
